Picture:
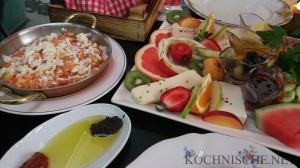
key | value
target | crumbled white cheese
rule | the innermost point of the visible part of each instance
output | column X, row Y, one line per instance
column 85, row 61
column 7, row 58
column 46, row 59
column 82, row 37
column 51, row 36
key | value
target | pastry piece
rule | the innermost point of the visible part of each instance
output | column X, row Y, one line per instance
column 138, row 11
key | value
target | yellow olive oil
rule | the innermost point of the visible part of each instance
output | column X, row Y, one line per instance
column 75, row 147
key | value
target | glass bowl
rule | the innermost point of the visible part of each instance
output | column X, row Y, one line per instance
column 238, row 62
column 263, row 86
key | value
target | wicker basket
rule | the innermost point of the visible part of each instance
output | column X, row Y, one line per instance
column 132, row 29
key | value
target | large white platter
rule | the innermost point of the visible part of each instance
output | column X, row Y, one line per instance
column 102, row 86
column 40, row 135
column 208, row 150
column 227, row 11
column 234, row 95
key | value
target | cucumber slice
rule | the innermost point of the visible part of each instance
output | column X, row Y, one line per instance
column 298, row 94
column 289, row 96
column 205, row 52
column 289, row 87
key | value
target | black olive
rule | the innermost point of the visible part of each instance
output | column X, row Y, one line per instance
column 248, row 62
column 248, row 66
column 263, row 59
column 257, row 60
column 251, row 55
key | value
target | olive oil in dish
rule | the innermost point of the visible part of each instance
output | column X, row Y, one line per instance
column 75, row 147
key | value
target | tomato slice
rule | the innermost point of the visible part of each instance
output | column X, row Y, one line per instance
column 181, row 53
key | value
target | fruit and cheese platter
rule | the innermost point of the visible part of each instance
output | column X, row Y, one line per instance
column 183, row 75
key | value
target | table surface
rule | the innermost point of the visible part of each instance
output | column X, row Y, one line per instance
column 147, row 129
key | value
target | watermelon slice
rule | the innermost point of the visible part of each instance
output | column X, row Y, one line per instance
column 281, row 121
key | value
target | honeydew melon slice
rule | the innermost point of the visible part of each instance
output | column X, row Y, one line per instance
column 216, row 96
column 221, row 37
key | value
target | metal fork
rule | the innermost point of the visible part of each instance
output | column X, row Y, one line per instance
column 168, row 7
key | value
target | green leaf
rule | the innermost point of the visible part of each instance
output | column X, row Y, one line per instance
column 296, row 58
column 160, row 107
column 295, row 73
column 289, row 61
column 295, row 32
column 202, row 35
column 272, row 38
column 289, row 58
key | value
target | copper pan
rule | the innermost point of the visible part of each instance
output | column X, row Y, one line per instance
column 26, row 36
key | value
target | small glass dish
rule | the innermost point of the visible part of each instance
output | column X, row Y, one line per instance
column 263, row 86
column 238, row 62
column 248, row 19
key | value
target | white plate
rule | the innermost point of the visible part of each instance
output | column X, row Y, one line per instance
column 39, row 136
column 123, row 97
column 102, row 86
column 208, row 150
column 227, row 11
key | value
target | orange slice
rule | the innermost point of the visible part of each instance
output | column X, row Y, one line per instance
column 202, row 102
column 207, row 25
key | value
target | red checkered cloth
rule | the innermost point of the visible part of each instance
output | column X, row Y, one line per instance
column 175, row 3
column 107, row 7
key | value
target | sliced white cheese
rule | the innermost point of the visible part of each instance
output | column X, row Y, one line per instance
column 182, row 32
column 150, row 93
column 233, row 101
column 223, row 41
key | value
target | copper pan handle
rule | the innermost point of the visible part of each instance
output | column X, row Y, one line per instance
column 69, row 18
column 19, row 100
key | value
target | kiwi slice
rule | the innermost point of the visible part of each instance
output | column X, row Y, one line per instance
column 174, row 16
column 196, row 65
column 135, row 78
